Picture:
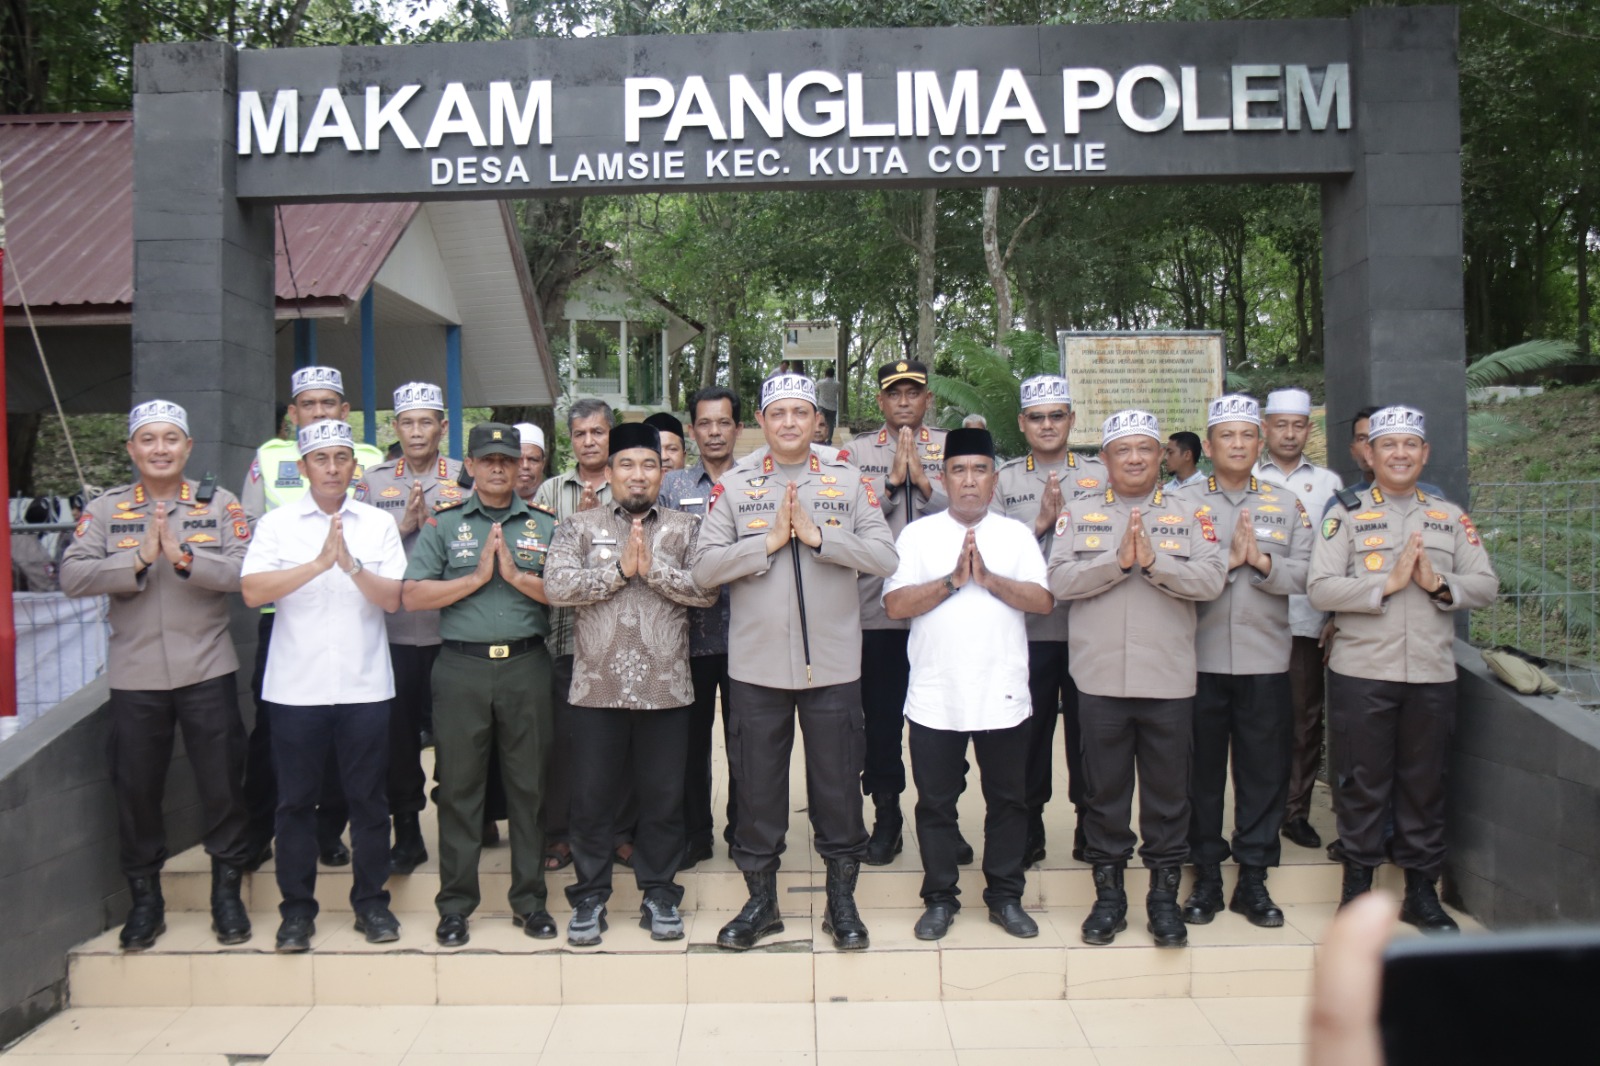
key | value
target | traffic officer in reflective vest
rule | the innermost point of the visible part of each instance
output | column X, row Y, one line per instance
column 1394, row 564
column 1133, row 561
column 905, row 460
column 1034, row 489
column 788, row 537
column 410, row 488
column 479, row 563
column 167, row 552
column 1242, row 650
column 316, row 395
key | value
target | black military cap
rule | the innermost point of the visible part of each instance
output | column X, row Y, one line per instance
column 902, row 370
column 493, row 438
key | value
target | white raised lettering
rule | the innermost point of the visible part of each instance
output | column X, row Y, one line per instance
column 1333, row 99
column 1013, row 102
column 1192, row 120
column 634, row 108
column 830, row 112
column 961, row 104
column 1075, row 103
column 330, row 118
column 441, row 169
column 695, row 108
column 255, row 126
column 503, row 112
column 1244, row 96
column 380, row 115
column 455, row 114
column 1169, row 92
column 859, row 126
column 742, row 99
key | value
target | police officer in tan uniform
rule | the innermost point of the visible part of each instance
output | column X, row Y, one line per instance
column 1034, row 489
column 1241, row 700
column 905, row 460
column 167, row 552
column 1133, row 561
column 788, row 538
column 1394, row 563
column 409, row 488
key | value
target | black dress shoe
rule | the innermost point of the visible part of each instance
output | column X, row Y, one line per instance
column 964, row 854
column 935, row 921
column 334, row 853
column 294, row 935
column 260, row 852
column 537, row 924
column 695, row 852
column 1300, row 832
column 379, row 926
column 1013, row 919
column 452, row 931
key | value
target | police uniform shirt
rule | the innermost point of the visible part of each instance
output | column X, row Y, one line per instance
column 1022, row 484
column 168, row 630
column 1313, row 485
column 448, row 548
column 1132, row 634
column 764, row 637
column 1408, row 636
column 873, row 453
column 274, row 476
column 387, row 487
column 1245, row 630
column 689, row 491
column 826, row 451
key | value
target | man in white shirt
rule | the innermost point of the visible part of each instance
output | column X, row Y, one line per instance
column 333, row 567
column 966, row 576
column 1287, row 425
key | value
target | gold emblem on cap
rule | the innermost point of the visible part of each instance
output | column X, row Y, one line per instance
column 901, row 367
column 496, row 435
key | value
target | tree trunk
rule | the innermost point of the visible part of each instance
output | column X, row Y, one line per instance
column 1302, row 331
column 996, row 266
column 710, row 340
column 927, row 273
column 1583, row 212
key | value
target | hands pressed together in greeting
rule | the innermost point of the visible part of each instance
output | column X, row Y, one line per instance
column 793, row 520
column 1135, row 549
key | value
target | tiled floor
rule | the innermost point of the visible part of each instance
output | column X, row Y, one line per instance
column 1107, row 1032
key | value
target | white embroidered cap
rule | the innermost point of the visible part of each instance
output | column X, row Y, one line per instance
column 529, row 434
column 315, row 377
column 1130, row 423
column 418, row 396
column 1045, row 388
column 158, row 411
column 1288, row 402
column 327, row 434
column 788, row 387
column 1233, row 408
column 1397, row 419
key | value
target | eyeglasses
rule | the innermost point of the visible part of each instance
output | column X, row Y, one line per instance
column 1038, row 418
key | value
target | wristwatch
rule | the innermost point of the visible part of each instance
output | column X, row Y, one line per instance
column 949, row 584
column 356, row 569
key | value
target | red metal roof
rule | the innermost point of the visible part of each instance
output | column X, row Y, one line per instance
column 68, row 198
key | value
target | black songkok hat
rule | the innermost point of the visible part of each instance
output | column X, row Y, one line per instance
column 968, row 442
column 666, row 422
column 625, row 435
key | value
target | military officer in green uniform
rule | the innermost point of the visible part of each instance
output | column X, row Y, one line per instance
column 316, row 394
column 480, row 564
column 1034, row 489
column 409, row 488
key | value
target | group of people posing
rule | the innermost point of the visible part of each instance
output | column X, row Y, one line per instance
column 566, row 655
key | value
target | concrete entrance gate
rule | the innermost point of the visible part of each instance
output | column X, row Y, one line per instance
column 1367, row 107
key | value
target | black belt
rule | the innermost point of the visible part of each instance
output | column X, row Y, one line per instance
column 494, row 651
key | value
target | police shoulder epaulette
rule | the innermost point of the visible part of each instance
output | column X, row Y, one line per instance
column 1348, row 498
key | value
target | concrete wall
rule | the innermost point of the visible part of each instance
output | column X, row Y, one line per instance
column 59, row 878
column 1524, row 817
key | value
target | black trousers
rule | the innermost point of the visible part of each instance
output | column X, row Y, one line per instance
column 760, row 739
column 410, row 713
column 260, row 777
column 556, row 812
column 1249, row 715
column 143, row 725
column 1306, row 699
column 355, row 736
column 1391, row 746
column 1054, row 695
column 1119, row 735
column 710, row 674
column 939, row 764
column 885, row 676
column 645, row 749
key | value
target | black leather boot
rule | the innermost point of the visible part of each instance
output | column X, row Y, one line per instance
column 1421, row 906
column 229, row 920
column 147, row 918
column 1250, row 898
column 1110, row 914
column 1357, row 879
column 887, row 840
column 759, row 917
column 841, row 919
column 408, row 852
column 1161, row 908
column 1205, row 899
